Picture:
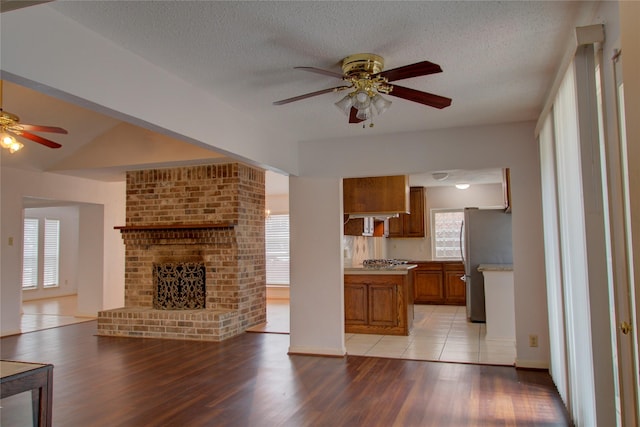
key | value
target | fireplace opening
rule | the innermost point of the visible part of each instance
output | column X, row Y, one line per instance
column 179, row 286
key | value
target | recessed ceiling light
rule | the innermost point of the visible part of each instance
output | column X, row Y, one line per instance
column 440, row 176
column 462, row 186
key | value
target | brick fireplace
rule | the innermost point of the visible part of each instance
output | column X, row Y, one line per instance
column 210, row 216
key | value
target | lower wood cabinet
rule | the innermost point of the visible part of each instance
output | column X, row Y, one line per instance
column 428, row 283
column 378, row 304
column 455, row 288
column 439, row 283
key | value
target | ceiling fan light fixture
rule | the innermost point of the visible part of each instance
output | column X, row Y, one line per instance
column 361, row 100
column 9, row 142
column 6, row 140
column 364, row 113
column 345, row 104
column 16, row 146
column 381, row 105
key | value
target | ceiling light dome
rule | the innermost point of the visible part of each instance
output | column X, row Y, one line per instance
column 361, row 100
column 381, row 105
column 440, row 176
column 345, row 104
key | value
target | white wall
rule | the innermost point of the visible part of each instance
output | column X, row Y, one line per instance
column 277, row 203
column 18, row 184
column 419, row 249
column 509, row 145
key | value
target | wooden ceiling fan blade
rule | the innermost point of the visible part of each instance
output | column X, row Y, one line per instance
column 352, row 116
column 39, row 128
column 39, row 139
column 413, row 70
column 311, row 94
column 425, row 98
column 321, row 71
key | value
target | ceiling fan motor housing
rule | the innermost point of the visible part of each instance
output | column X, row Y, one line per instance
column 362, row 65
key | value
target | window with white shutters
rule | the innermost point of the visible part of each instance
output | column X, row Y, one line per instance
column 51, row 252
column 41, row 253
column 277, row 249
column 30, row 253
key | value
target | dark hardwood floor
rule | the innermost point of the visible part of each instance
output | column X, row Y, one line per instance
column 251, row 381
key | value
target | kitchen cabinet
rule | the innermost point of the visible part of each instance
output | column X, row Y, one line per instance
column 382, row 195
column 411, row 224
column 439, row 283
column 455, row 288
column 428, row 283
column 378, row 303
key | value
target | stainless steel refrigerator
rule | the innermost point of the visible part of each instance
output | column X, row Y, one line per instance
column 486, row 239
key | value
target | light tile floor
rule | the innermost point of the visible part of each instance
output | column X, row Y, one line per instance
column 440, row 333
column 50, row 313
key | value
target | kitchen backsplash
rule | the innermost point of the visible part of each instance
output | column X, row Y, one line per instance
column 359, row 248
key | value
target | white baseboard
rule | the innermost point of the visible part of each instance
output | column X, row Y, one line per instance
column 317, row 351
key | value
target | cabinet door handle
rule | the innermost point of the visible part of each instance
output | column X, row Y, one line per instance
column 625, row 328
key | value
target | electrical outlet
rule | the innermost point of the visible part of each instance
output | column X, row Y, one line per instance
column 533, row 340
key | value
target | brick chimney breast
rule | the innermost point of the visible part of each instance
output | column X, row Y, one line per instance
column 208, row 214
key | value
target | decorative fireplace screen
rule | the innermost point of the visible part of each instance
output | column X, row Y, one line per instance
column 179, row 286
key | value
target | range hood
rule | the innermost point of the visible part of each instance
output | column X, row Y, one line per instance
column 379, row 197
column 375, row 216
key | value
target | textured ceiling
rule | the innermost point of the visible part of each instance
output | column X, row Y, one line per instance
column 498, row 59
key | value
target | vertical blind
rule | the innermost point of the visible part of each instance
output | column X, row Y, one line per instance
column 277, row 249
column 30, row 253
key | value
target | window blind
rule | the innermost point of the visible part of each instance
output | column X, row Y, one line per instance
column 51, row 252
column 30, row 253
column 277, row 249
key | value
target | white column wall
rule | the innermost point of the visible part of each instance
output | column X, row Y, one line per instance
column 317, row 281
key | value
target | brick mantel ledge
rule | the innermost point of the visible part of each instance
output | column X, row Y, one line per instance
column 174, row 226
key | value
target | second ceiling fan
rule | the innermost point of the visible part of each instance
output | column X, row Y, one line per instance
column 366, row 81
column 11, row 126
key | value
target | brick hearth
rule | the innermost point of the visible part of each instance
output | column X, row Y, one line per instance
column 210, row 214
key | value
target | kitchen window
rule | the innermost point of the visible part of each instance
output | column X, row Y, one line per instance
column 41, row 253
column 445, row 232
column 277, row 249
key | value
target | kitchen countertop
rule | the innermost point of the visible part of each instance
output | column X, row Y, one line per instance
column 442, row 261
column 495, row 267
column 395, row 269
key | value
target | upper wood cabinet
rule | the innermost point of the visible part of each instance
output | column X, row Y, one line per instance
column 411, row 224
column 376, row 195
